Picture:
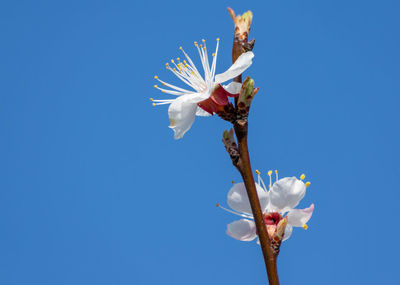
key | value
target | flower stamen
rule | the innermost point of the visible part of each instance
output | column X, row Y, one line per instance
column 235, row 213
column 270, row 179
column 260, row 181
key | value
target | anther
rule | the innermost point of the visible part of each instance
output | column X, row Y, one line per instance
column 151, row 99
column 258, row 172
column 178, row 58
column 155, row 86
column 270, row 172
column 163, row 91
column 180, row 48
column 203, row 40
column 233, row 182
column 303, row 176
column 156, row 77
column 167, row 64
column 305, row 226
column 308, row 183
column 195, row 43
column 172, row 60
column 217, row 39
column 213, row 54
column 154, row 104
column 217, row 205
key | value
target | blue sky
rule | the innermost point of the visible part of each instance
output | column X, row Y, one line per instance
column 94, row 190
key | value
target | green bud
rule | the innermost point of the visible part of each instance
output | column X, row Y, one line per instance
column 246, row 95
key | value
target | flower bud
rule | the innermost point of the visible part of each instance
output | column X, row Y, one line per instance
column 242, row 24
column 246, row 95
column 228, row 138
column 241, row 34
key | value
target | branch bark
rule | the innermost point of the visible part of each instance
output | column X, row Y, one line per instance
column 244, row 167
column 242, row 163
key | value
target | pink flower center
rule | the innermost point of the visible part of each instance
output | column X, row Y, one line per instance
column 272, row 218
column 271, row 221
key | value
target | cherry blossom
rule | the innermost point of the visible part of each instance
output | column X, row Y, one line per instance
column 207, row 93
column 278, row 203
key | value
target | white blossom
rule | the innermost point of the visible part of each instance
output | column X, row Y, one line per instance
column 278, row 202
column 188, row 103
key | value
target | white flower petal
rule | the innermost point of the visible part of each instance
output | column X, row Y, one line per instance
column 299, row 217
column 201, row 113
column 286, row 194
column 233, row 87
column 244, row 230
column 182, row 112
column 239, row 201
column 241, row 64
column 288, row 232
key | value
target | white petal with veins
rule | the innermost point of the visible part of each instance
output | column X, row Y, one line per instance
column 299, row 217
column 182, row 112
column 239, row 201
column 241, row 64
column 286, row 194
column 244, row 230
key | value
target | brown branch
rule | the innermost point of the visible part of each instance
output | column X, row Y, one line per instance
column 242, row 163
column 244, row 168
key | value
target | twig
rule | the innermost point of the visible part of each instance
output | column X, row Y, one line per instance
column 239, row 153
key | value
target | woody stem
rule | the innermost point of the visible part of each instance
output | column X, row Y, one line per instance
column 244, row 167
column 240, row 156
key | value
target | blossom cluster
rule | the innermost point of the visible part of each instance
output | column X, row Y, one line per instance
column 209, row 93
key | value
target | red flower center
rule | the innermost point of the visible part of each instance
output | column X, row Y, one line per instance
column 272, row 218
column 217, row 100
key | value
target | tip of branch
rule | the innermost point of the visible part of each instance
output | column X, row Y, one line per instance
column 232, row 13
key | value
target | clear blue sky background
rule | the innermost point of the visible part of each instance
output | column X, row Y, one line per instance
column 94, row 190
